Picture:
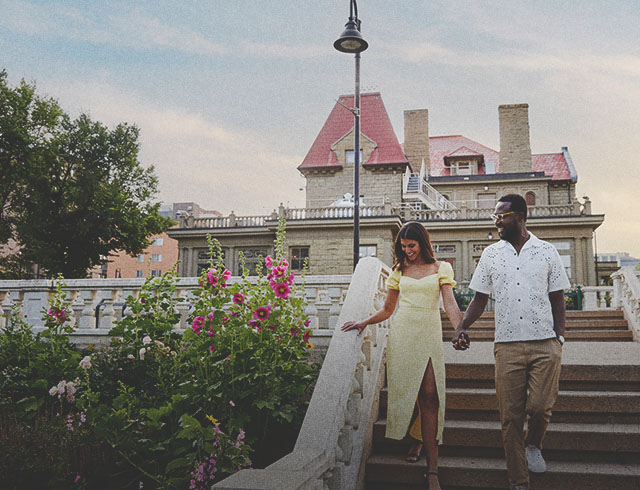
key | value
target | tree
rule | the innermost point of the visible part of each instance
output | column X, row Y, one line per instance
column 72, row 190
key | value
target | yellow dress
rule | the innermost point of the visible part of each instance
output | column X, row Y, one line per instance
column 414, row 338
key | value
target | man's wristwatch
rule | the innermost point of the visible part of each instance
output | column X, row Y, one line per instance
column 560, row 339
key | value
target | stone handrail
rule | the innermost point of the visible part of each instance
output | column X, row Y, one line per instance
column 626, row 285
column 324, row 296
column 598, row 298
column 464, row 213
column 332, row 445
column 334, row 212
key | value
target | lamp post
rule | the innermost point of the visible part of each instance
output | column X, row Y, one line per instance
column 351, row 41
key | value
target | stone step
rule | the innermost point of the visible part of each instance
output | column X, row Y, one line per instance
column 603, row 324
column 599, row 335
column 612, row 443
column 571, row 314
column 391, row 471
column 574, row 377
column 580, row 406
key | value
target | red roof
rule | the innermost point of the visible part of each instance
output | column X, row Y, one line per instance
column 553, row 164
column 374, row 123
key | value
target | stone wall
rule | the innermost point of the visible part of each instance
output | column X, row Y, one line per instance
column 515, row 146
column 416, row 138
column 323, row 188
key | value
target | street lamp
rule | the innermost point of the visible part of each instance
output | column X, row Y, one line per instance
column 351, row 41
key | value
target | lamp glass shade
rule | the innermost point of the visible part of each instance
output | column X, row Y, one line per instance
column 351, row 41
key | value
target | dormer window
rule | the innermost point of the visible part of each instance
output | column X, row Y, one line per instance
column 465, row 164
column 350, row 156
column 462, row 168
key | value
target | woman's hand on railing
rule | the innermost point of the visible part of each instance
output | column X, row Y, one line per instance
column 359, row 326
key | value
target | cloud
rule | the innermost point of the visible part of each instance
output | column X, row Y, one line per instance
column 196, row 159
column 295, row 52
column 129, row 27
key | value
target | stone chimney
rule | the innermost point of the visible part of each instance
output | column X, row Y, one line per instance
column 515, row 146
column 416, row 138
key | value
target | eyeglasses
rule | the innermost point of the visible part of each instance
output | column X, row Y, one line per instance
column 497, row 217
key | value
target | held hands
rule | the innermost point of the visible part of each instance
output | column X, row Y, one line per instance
column 460, row 340
column 359, row 326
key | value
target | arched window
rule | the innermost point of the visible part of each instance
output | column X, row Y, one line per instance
column 530, row 197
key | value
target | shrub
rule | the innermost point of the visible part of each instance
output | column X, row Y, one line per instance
column 156, row 408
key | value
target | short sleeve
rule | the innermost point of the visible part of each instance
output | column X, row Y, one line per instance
column 445, row 274
column 481, row 280
column 394, row 280
column 558, row 279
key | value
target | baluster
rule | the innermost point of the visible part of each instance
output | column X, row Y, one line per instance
column 108, row 313
column 88, row 319
column 310, row 294
column 335, row 295
column 5, row 305
column 77, row 305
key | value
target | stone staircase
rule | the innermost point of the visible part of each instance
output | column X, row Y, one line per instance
column 593, row 440
column 582, row 326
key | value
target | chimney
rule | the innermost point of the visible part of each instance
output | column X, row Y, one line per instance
column 416, row 138
column 515, row 145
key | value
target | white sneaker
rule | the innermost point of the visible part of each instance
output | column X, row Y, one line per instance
column 535, row 461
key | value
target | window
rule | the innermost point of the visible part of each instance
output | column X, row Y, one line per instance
column 203, row 260
column 530, row 198
column 139, row 273
column 486, row 200
column 140, row 258
column 350, row 156
column 157, row 242
column 156, row 273
column 118, row 273
column 298, row 256
column 252, row 257
column 561, row 245
column 156, row 257
column 368, row 251
column 566, row 261
column 444, row 249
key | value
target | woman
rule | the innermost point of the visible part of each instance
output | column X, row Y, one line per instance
column 415, row 357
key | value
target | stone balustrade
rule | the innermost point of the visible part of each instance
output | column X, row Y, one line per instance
column 332, row 445
column 598, row 298
column 626, row 295
column 324, row 296
column 461, row 210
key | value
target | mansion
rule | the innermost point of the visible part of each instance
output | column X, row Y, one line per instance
column 450, row 184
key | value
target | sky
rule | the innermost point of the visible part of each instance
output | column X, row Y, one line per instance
column 229, row 94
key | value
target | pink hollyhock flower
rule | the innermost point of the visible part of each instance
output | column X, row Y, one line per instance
column 241, row 435
column 226, row 275
column 231, row 403
column 253, row 323
column 211, row 277
column 235, row 313
column 272, row 327
column 197, row 324
column 212, row 348
column 283, row 263
column 294, row 332
column 78, row 478
column 291, row 278
column 268, row 261
column 211, row 333
column 225, row 320
column 278, row 272
column 211, row 315
column 306, row 336
column 307, row 323
column 282, row 290
column 238, row 298
column 262, row 313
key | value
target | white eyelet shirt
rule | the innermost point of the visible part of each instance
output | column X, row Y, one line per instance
column 521, row 285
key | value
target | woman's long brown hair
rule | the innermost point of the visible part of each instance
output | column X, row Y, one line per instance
column 413, row 231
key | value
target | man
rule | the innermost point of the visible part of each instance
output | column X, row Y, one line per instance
column 527, row 279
